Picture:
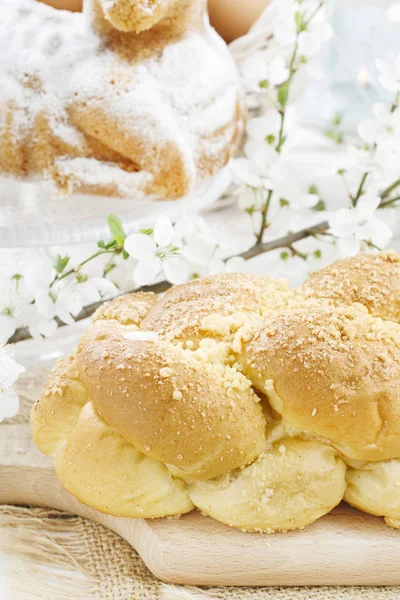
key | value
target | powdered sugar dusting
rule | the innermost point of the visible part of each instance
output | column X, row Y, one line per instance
column 52, row 59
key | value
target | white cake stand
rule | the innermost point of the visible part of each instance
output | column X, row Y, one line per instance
column 32, row 216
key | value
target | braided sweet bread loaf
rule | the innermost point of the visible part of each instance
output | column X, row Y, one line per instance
column 261, row 406
column 129, row 97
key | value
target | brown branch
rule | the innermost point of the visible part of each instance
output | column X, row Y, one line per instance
column 259, row 248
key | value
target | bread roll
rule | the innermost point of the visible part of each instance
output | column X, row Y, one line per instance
column 103, row 470
column 334, row 373
column 202, row 419
column 375, row 489
column 216, row 306
column 289, row 486
column 369, row 279
column 56, row 413
column 238, row 396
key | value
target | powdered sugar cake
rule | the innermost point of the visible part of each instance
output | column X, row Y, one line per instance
column 126, row 96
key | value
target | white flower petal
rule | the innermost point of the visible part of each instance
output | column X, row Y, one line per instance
column 381, row 113
column 9, row 404
column 104, row 286
column 216, row 266
column 285, row 32
column 199, row 251
column 140, row 246
column 393, row 13
column 262, row 155
column 260, row 127
column 369, row 130
column 244, row 171
column 176, row 270
column 8, row 325
column 44, row 304
column 146, row 271
column 46, row 327
column 236, row 264
column 187, row 227
column 367, row 205
column 254, row 70
column 277, row 71
column 377, row 232
column 10, row 370
column 348, row 246
column 38, row 276
column 163, row 231
column 343, row 223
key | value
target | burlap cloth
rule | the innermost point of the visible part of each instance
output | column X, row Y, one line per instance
column 55, row 556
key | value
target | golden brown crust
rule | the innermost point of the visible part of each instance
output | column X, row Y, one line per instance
column 335, row 373
column 201, row 419
column 370, row 279
column 215, row 306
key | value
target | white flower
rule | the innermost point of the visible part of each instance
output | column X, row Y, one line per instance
column 260, row 128
column 62, row 299
column 354, row 225
column 389, row 76
column 311, row 40
column 353, row 158
column 291, row 190
column 157, row 253
column 263, row 156
column 384, row 128
column 235, row 264
column 258, row 68
column 70, row 299
column 10, row 370
column 285, row 32
column 251, row 198
column 393, row 13
column 246, row 172
column 277, row 71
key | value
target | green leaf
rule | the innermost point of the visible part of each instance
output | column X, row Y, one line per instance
column 148, row 231
column 319, row 206
column 61, row 263
column 313, row 189
column 81, row 277
column 101, row 244
column 337, row 119
column 301, row 23
column 125, row 255
column 116, row 229
column 283, row 94
column 284, row 202
column 335, row 136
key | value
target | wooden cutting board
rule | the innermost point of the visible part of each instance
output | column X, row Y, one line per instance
column 345, row 547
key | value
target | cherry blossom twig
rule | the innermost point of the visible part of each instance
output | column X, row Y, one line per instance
column 286, row 241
